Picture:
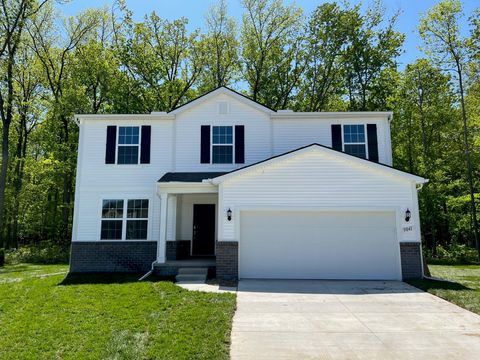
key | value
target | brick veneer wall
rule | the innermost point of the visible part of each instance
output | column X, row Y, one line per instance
column 411, row 257
column 177, row 250
column 112, row 256
column 227, row 261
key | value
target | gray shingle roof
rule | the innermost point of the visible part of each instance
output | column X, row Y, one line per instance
column 189, row 176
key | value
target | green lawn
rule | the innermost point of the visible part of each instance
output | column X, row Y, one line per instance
column 44, row 315
column 465, row 289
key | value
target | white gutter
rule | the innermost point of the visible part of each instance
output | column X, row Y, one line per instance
column 332, row 115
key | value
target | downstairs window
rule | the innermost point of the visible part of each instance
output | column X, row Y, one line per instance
column 124, row 219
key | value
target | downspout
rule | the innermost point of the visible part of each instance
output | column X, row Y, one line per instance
column 149, row 272
column 153, row 263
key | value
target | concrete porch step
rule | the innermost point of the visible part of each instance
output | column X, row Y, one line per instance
column 192, row 271
column 191, row 278
column 193, row 275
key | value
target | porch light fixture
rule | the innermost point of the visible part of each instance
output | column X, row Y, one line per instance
column 408, row 215
column 229, row 214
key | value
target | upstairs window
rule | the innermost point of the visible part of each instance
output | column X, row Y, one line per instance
column 128, row 144
column 354, row 140
column 222, row 144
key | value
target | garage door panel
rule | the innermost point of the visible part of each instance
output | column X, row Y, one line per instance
column 313, row 245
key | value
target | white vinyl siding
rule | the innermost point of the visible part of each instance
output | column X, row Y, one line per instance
column 290, row 134
column 187, row 133
column 96, row 180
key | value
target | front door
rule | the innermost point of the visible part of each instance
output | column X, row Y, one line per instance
column 203, row 242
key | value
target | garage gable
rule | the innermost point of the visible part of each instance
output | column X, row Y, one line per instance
column 316, row 161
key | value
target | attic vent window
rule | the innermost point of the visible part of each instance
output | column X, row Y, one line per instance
column 223, row 108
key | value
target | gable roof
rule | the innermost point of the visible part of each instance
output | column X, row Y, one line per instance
column 222, row 90
column 312, row 147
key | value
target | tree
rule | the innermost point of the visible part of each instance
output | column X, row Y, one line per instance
column 270, row 49
column 221, row 48
column 369, row 58
column 13, row 16
column 28, row 100
column 444, row 43
column 423, row 127
column 163, row 60
column 96, row 68
column 56, row 63
column 326, row 39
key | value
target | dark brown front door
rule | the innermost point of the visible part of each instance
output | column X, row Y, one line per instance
column 203, row 242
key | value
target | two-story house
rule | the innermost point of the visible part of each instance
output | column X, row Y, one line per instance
column 259, row 193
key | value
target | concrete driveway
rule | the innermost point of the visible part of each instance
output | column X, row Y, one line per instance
column 302, row 319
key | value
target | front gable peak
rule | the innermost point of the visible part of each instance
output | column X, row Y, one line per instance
column 218, row 91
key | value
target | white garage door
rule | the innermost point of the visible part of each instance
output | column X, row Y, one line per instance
column 318, row 245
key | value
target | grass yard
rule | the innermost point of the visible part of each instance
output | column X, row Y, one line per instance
column 44, row 315
column 465, row 291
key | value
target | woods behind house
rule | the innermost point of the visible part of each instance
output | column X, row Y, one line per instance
column 340, row 57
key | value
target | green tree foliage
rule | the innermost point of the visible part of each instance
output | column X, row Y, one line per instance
column 161, row 58
column 370, row 58
column 439, row 29
column 13, row 17
column 271, row 50
column 340, row 57
column 327, row 34
column 222, row 66
column 428, row 133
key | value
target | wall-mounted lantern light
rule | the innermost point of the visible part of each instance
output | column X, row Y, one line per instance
column 229, row 214
column 408, row 215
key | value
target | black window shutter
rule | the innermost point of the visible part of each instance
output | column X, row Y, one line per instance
column 239, row 144
column 145, row 146
column 337, row 137
column 372, row 142
column 205, row 144
column 110, row 145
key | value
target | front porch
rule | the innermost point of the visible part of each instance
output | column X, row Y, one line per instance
column 190, row 213
column 188, row 224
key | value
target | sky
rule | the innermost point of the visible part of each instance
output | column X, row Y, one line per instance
column 195, row 10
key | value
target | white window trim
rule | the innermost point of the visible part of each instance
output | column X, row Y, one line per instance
column 367, row 155
column 138, row 145
column 212, row 145
column 124, row 218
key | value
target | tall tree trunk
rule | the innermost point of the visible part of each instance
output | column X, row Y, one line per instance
column 18, row 175
column 468, row 159
column 3, row 178
column 6, row 112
